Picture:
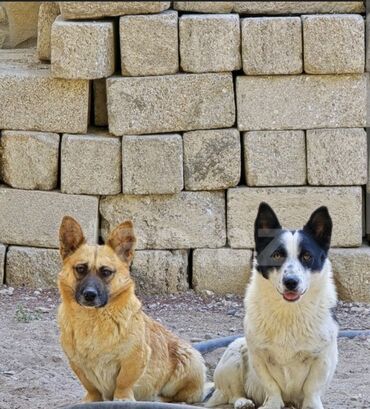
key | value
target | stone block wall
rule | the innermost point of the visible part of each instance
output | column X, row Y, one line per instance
column 183, row 116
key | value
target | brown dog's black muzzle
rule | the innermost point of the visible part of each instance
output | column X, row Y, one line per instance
column 92, row 292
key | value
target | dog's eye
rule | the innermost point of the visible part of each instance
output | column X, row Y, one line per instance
column 306, row 257
column 106, row 272
column 277, row 255
column 81, row 269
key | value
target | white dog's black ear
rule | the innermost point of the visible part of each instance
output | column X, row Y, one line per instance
column 320, row 226
column 265, row 226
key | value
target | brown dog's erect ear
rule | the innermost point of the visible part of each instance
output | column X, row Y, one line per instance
column 71, row 236
column 122, row 240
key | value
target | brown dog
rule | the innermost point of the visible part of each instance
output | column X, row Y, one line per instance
column 115, row 349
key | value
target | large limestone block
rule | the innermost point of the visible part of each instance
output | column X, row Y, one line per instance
column 294, row 205
column 210, row 43
column 298, row 7
column 32, row 218
column 212, row 159
column 180, row 221
column 72, row 10
column 82, row 50
column 29, row 160
column 301, row 102
column 351, row 269
column 100, row 103
column 272, row 45
column 334, row 44
column 275, row 158
column 204, row 6
column 152, row 164
column 91, row 164
column 2, row 263
column 222, row 271
column 170, row 103
column 22, row 19
column 48, row 12
column 32, row 100
column 160, row 271
column 32, row 267
column 337, row 156
column 149, row 44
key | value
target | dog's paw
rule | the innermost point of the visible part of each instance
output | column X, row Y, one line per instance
column 244, row 403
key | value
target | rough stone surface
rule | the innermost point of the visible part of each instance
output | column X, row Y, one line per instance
column 2, row 263
column 222, row 271
column 152, row 164
column 160, row 271
column 298, row 7
column 293, row 206
column 32, row 218
column 29, row 160
column 275, row 158
column 293, row 102
column 72, row 10
column 43, row 103
column 22, row 19
column 272, row 45
column 204, row 6
column 212, row 159
column 32, row 267
column 170, row 103
column 100, row 103
column 210, row 43
column 334, row 44
column 91, row 164
column 337, row 156
column 180, row 221
column 351, row 269
column 82, row 50
column 149, row 44
column 48, row 12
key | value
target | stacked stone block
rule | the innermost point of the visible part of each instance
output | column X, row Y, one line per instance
column 184, row 120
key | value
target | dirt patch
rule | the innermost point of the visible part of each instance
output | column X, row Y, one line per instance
column 34, row 372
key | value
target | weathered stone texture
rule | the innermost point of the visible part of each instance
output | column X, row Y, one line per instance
column 91, row 164
column 149, row 44
column 29, row 160
column 48, row 12
column 334, row 44
column 2, row 263
column 212, row 159
column 301, row 102
column 100, row 103
column 32, row 267
column 210, row 43
column 272, row 45
column 170, row 103
column 184, row 220
column 275, row 158
column 152, row 164
column 72, row 10
column 221, row 270
column 337, row 156
column 204, row 6
column 42, row 103
column 298, row 7
column 22, row 21
column 160, row 271
column 293, row 207
column 351, row 269
column 32, row 218
column 82, row 50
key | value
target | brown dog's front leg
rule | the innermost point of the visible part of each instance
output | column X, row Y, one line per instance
column 131, row 370
column 92, row 395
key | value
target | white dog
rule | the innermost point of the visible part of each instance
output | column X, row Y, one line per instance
column 289, row 353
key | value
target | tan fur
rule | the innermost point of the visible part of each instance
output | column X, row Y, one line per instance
column 117, row 351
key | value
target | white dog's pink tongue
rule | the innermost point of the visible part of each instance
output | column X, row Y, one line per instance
column 291, row 295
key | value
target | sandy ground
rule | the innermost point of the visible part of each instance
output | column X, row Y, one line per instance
column 34, row 373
